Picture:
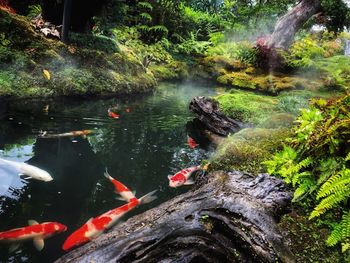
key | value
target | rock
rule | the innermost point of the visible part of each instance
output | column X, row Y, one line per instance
column 210, row 115
column 229, row 217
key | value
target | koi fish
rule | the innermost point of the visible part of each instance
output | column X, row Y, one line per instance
column 94, row 227
column 182, row 177
column 191, row 142
column 112, row 114
column 121, row 189
column 37, row 232
column 127, row 110
column 82, row 133
column 28, row 170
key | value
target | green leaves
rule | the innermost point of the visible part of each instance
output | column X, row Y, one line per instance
column 316, row 162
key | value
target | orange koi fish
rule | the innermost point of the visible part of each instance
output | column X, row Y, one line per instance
column 191, row 142
column 182, row 177
column 113, row 114
column 37, row 232
column 119, row 188
column 94, row 227
column 82, row 133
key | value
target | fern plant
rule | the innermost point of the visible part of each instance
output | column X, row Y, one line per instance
column 317, row 163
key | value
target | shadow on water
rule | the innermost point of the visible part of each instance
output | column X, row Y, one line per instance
column 140, row 149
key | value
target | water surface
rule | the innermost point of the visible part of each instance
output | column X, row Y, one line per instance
column 140, row 149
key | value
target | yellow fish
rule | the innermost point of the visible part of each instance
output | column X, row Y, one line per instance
column 47, row 74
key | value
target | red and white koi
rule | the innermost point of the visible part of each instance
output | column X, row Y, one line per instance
column 94, row 227
column 191, row 142
column 182, row 177
column 37, row 232
column 121, row 189
column 113, row 114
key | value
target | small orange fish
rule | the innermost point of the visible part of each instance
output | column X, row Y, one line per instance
column 113, row 114
column 127, row 110
column 191, row 142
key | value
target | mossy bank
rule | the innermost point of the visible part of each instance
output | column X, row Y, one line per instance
column 34, row 66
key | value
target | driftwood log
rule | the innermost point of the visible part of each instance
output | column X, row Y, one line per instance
column 230, row 218
column 214, row 120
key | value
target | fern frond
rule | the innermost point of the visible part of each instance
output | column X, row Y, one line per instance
column 341, row 233
column 302, row 189
column 145, row 5
column 339, row 183
column 329, row 203
column 146, row 16
column 335, row 236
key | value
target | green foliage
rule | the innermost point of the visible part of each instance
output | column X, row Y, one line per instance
column 304, row 52
column 34, row 10
column 191, row 46
column 337, row 13
column 316, row 162
column 97, row 42
column 336, row 71
column 243, row 51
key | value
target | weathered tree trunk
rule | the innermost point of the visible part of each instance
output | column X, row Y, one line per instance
column 290, row 23
column 67, row 12
column 230, row 218
column 286, row 27
column 214, row 120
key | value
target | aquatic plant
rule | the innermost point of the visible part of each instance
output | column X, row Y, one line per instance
column 316, row 163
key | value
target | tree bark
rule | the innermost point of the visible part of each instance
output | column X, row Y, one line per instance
column 229, row 217
column 291, row 22
column 213, row 119
column 67, row 12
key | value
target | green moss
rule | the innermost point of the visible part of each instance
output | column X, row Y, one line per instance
column 174, row 71
column 246, row 149
column 74, row 70
column 272, row 84
column 247, row 107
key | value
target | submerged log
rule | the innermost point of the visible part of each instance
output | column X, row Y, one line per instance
column 214, row 120
column 230, row 218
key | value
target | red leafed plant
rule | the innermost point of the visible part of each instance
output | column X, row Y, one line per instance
column 4, row 5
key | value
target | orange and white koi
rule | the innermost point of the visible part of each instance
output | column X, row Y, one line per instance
column 37, row 232
column 182, row 177
column 119, row 188
column 191, row 142
column 83, row 133
column 94, row 227
column 113, row 114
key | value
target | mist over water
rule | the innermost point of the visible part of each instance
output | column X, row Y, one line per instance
column 140, row 149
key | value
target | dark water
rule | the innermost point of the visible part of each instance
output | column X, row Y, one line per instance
column 140, row 149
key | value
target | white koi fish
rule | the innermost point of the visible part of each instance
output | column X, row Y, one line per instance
column 28, row 170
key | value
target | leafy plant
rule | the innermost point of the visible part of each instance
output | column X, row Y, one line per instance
column 316, row 162
column 34, row 10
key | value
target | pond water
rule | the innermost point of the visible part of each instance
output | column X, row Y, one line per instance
column 143, row 146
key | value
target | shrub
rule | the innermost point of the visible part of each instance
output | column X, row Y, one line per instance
column 316, row 162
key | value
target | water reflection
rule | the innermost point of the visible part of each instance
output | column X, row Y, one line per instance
column 147, row 143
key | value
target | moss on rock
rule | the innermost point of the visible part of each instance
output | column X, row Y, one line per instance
column 73, row 70
column 272, row 84
column 246, row 149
